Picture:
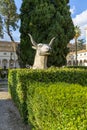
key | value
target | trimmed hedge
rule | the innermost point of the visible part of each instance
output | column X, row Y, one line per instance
column 18, row 90
column 68, row 75
column 80, row 67
column 58, row 106
column 25, row 84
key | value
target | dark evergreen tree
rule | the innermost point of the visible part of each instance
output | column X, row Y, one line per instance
column 44, row 19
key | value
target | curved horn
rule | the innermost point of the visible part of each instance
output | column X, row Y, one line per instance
column 31, row 38
column 51, row 41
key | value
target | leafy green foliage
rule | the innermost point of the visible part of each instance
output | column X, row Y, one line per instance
column 44, row 20
column 45, row 102
column 18, row 91
column 1, row 27
column 78, row 67
column 80, row 44
column 58, row 106
column 9, row 16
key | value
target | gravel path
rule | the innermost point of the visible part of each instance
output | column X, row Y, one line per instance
column 9, row 115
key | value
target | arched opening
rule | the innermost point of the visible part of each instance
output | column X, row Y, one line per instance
column 16, row 64
column 80, row 62
column 69, row 62
column 77, row 62
column 4, row 63
column 74, row 62
column 85, row 62
column 11, row 63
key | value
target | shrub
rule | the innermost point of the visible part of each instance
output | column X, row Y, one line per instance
column 25, row 83
column 80, row 67
column 18, row 90
column 58, row 106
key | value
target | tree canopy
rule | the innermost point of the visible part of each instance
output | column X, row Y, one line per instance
column 45, row 19
column 9, row 17
column 1, row 27
column 81, row 45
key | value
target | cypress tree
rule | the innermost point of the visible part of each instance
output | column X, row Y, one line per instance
column 44, row 19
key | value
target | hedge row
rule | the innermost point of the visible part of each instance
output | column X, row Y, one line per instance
column 26, row 87
column 80, row 67
column 68, row 75
column 58, row 106
column 18, row 89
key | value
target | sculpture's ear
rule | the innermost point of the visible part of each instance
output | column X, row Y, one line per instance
column 34, row 47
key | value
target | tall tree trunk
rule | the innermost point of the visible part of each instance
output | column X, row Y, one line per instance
column 76, row 50
column 9, row 33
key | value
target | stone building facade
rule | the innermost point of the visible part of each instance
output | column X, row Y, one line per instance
column 8, row 56
column 81, row 56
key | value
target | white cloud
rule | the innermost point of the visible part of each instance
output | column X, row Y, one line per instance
column 72, row 10
column 81, row 21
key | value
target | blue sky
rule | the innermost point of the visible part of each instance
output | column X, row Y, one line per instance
column 79, row 14
column 78, row 10
column 78, row 6
column 18, row 4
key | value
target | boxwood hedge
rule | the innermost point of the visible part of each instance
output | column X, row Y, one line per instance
column 46, row 103
column 58, row 106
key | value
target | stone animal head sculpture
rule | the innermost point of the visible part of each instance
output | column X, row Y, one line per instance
column 42, row 51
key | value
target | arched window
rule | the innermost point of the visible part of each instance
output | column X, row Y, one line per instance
column 16, row 64
column 4, row 63
column 85, row 61
column 69, row 62
column 11, row 63
column 74, row 62
column 80, row 62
